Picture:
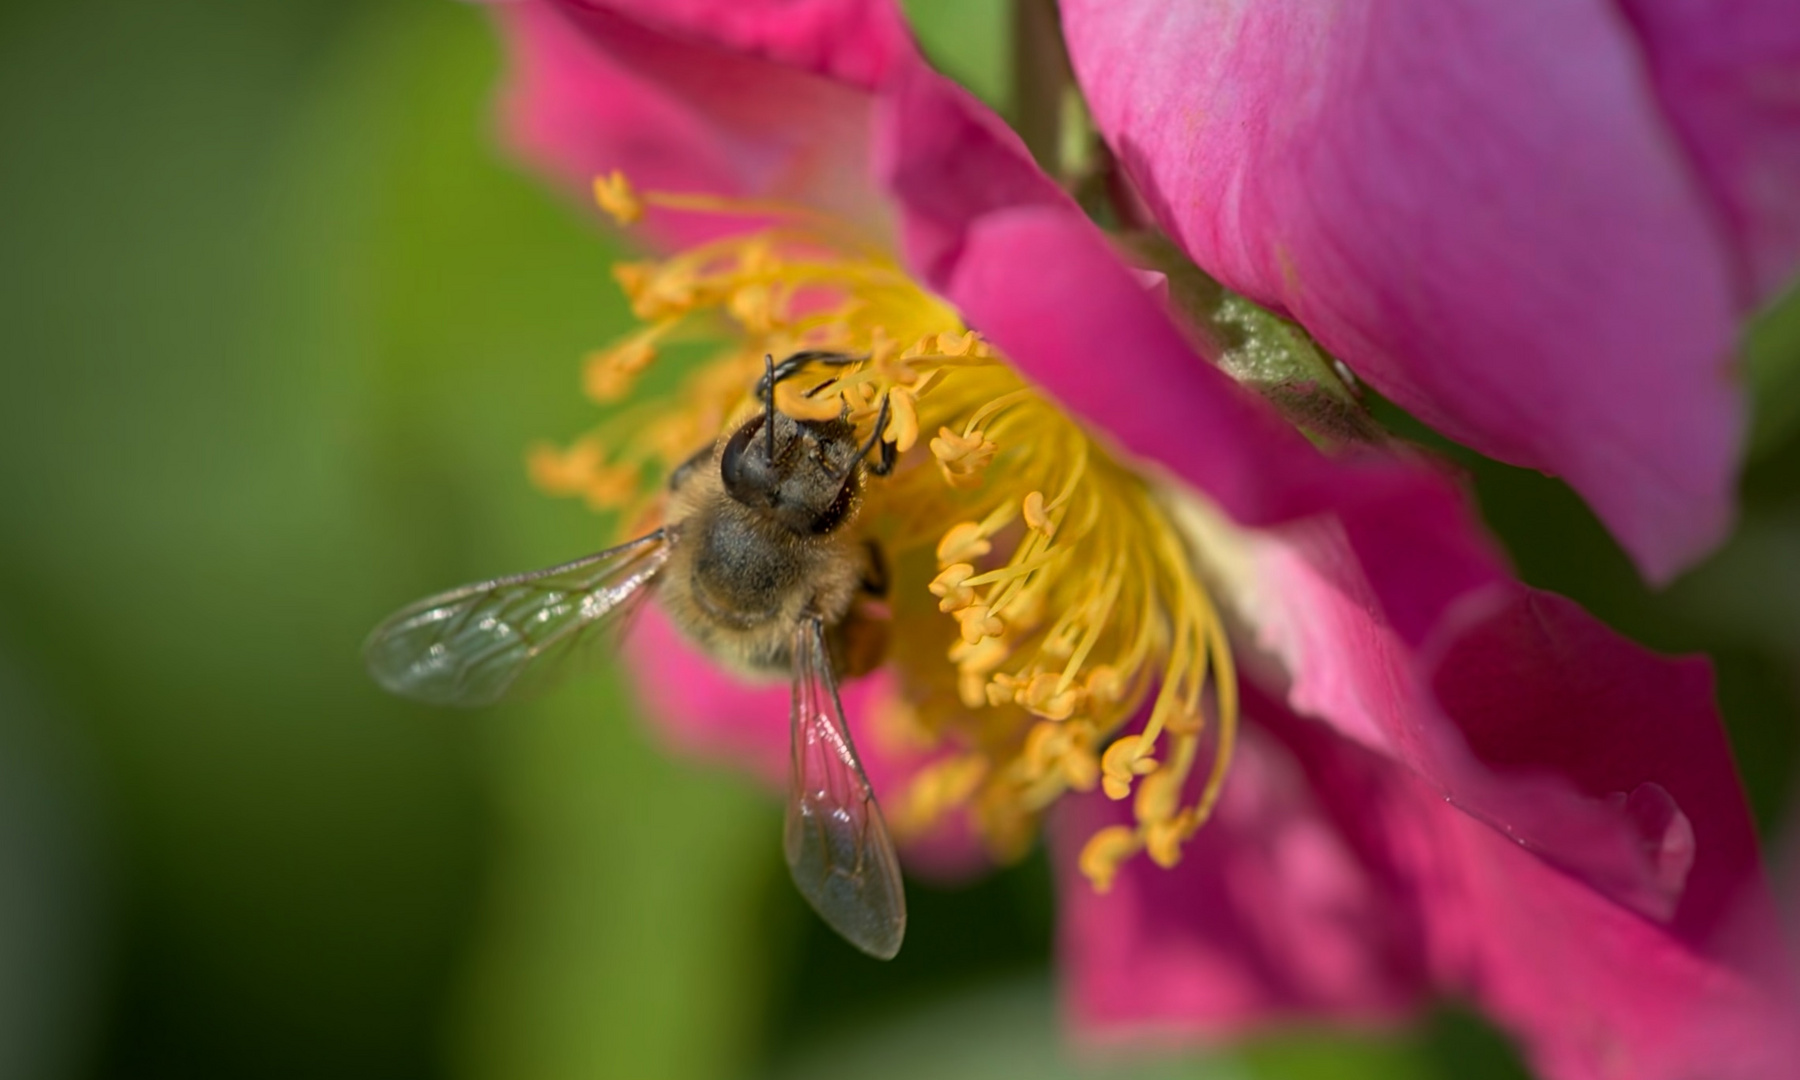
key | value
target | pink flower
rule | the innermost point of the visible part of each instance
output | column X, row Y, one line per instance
column 1447, row 782
column 1537, row 228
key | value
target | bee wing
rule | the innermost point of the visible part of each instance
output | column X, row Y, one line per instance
column 836, row 844
column 477, row 644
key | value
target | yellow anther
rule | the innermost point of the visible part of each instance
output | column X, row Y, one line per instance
column 938, row 787
column 882, row 349
column 903, row 425
column 581, row 471
column 953, row 344
column 791, row 400
column 971, row 686
column 1003, row 687
column 1162, row 841
column 982, row 657
column 949, row 586
column 674, row 438
column 1158, row 796
column 663, row 295
column 1105, row 685
column 862, row 397
column 1125, row 760
column 615, row 195
column 612, row 488
column 1036, row 517
column 1063, row 748
column 1081, row 770
column 633, row 278
column 609, row 374
column 962, row 455
column 887, row 360
column 1105, row 852
column 563, row 472
column 1045, row 745
column 1042, row 697
column 758, row 259
column 978, row 622
column 964, row 542
column 753, row 306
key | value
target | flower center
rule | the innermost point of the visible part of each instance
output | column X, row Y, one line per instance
column 1043, row 598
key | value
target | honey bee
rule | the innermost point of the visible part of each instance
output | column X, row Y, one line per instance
column 760, row 563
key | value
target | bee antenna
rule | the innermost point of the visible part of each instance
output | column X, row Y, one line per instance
column 769, row 401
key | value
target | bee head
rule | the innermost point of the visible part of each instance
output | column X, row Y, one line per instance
column 800, row 474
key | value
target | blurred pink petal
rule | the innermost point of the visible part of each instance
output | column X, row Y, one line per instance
column 1727, row 75
column 1484, row 210
column 593, row 90
column 703, row 712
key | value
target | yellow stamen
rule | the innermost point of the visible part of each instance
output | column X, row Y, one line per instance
column 963, row 542
column 952, row 586
column 1123, row 762
column 608, row 374
column 614, row 194
column 936, row 790
column 962, row 456
column 1065, row 605
column 903, row 427
column 581, row 472
column 979, row 622
column 1105, row 851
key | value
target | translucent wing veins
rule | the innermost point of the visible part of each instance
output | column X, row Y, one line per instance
column 836, row 843
column 475, row 645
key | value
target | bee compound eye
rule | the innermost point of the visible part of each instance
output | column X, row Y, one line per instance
column 743, row 469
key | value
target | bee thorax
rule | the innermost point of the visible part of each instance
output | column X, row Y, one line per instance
column 739, row 576
column 740, row 583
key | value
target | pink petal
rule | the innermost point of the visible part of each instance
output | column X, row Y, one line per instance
column 1337, row 884
column 1517, row 706
column 677, row 109
column 1728, row 78
column 702, row 711
column 1483, row 210
column 859, row 43
column 1543, row 688
column 986, row 229
column 1274, row 912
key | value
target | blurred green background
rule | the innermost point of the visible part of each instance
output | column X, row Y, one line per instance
column 278, row 322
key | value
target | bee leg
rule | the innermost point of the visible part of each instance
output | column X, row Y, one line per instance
column 798, row 362
column 884, row 459
column 884, row 464
column 859, row 643
column 875, row 579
